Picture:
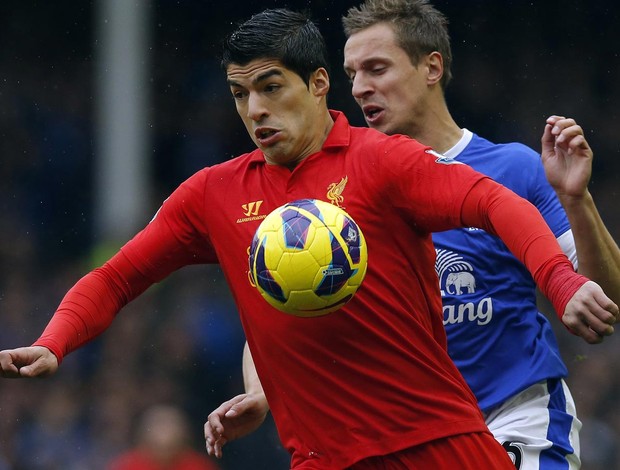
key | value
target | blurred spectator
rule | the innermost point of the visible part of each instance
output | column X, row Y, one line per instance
column 56, row 431
column 163, row 443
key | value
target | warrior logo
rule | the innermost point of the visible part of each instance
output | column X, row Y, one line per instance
column 251, row 208
column 251, row 211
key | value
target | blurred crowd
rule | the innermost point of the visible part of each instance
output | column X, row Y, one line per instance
column 176, row 352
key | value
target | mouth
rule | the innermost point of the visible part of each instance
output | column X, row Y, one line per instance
column 266, row 136
column 372, row 113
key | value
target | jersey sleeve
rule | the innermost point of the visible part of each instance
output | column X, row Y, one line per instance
column 542, row 195
column 443, row 194
column 90, row 306
column 174, row 238
column 425, row 184
column 177, row 236
column 521, row 227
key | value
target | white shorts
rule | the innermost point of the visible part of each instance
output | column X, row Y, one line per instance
column 539, row 427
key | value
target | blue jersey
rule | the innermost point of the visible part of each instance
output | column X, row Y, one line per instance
column 497, row 337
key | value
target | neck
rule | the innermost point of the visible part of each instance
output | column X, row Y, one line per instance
column 437, row 129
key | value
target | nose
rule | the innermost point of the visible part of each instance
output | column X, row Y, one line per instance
column 360, row 86
column 256, row 107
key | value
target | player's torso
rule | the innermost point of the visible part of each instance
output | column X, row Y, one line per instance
column 400, row 319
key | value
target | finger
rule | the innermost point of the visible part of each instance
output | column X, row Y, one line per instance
column 613, row 309
column 563, row 123
column 579, row 143
column 600, row 327
column 39, row 368
column 238, row 408
column 608, row 314
column 593, row 337
column 211, row 437
column 216, row 425
column 219, row 444
column 597, row 319
column 29, row 371
column 553, row 119
column 586, row 333
column 209, row 434
column 569, row 133
column 605, row 308
column 548, row 139
column 9, row 371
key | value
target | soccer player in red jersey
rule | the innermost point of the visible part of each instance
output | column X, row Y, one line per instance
column 398, row 58
column 371, row 385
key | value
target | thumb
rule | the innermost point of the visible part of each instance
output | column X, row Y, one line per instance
column 237, row 409
column 31, row 370
column 231, row 413
column 547, row 140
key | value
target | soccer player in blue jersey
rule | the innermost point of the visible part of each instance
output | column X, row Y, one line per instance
column 398, row 59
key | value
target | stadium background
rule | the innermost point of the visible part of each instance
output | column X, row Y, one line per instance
column 515, row 62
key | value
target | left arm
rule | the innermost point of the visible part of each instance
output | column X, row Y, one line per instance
column 567, row 159
column 582, row 306
column 240, row 415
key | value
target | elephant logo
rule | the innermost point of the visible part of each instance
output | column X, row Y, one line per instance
column 460, row 280
column 457, row 273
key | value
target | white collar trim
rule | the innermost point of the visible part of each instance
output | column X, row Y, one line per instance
column 460, row 145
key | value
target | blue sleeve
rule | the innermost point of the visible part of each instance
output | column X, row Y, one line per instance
column 542, row 195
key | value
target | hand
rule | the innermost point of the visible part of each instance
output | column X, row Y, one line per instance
column 33, row 361
column 566, row 157
column 233, row 419
column 590, row 313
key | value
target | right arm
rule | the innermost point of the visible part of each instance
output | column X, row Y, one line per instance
column 85, row 312
column 92, row 303
column 567, row 159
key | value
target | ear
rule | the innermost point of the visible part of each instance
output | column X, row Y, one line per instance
column 434, row 63
column 319, row 82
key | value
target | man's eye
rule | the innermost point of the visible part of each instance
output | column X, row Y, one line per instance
column 271, row 88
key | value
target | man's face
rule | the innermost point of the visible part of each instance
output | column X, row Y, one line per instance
column 391, row 91
column 280, row 112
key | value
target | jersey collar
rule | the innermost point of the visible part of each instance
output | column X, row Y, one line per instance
column 463, row 142
column 340, row 134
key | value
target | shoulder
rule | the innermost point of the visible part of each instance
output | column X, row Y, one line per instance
column 237, row 164
column 512, row 150
column 512, row 164
column 501, row 160
column 200, row 187
column 370, row 141
column 225, row 171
